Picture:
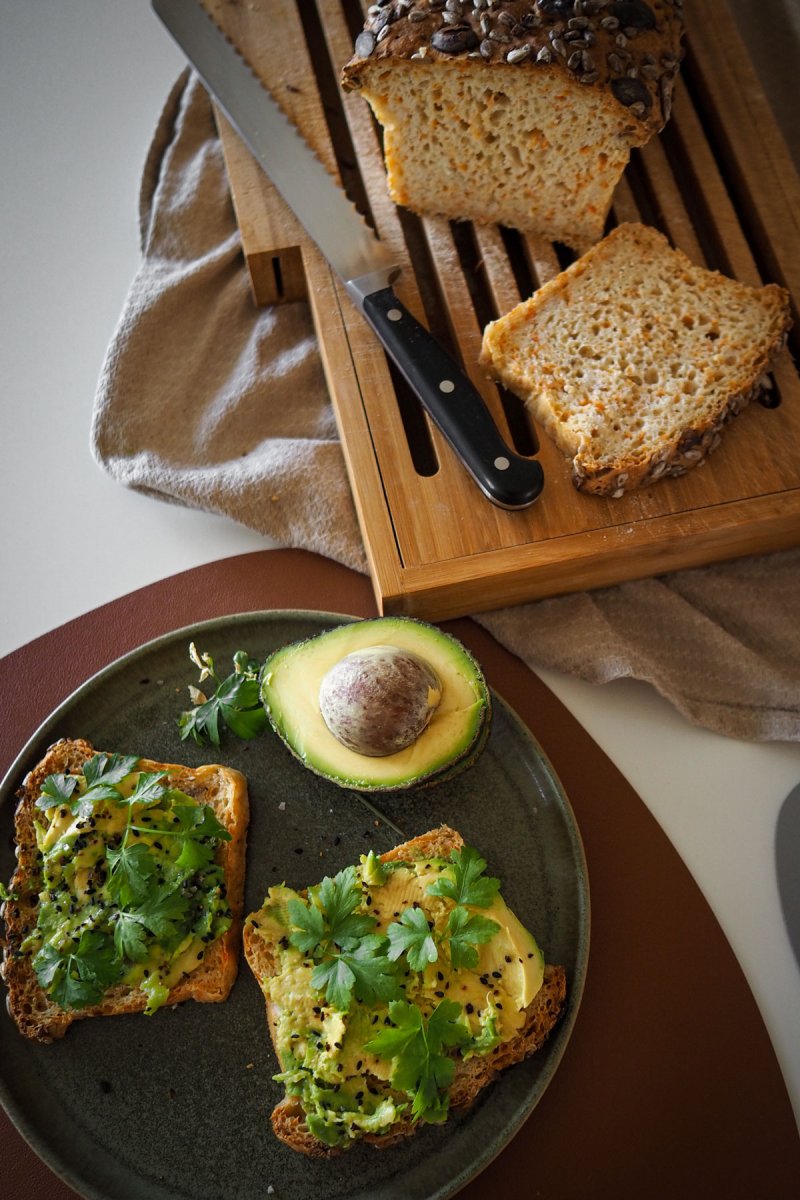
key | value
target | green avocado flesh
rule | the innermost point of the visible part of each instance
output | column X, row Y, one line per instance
column 364, row 1060
column 456, row 732
column 130, row 892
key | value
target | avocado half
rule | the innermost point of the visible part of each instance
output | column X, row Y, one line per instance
column 453, row 739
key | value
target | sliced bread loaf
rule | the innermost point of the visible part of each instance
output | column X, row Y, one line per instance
column 516, row 112
column 633, row 359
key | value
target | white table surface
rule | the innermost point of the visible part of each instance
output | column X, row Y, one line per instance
column 82, row 83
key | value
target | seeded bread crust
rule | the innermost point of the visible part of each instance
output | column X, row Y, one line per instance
column 634, row 359
column 530, row 108
column 471, row 1077
column 38, row 1017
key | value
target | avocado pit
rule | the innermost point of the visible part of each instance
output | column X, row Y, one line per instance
column 377, row 700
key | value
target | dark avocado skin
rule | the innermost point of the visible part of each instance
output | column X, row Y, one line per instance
column 426, row 641
column 467, row 760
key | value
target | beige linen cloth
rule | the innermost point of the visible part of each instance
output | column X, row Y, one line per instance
column 206, row 401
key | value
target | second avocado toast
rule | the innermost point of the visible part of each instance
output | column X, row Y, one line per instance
column 394, row 991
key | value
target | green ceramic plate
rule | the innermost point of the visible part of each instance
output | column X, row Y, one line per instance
column 177, row 1105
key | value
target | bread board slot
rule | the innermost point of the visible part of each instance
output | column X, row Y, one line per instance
column 722, row 190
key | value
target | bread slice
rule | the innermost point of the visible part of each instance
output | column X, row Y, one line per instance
column 471, row 1075
column 516, row 113
column 37, row 1015
column 634, row 359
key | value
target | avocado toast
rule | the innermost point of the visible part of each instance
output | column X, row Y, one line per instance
column 128, row 890
column 395, row 991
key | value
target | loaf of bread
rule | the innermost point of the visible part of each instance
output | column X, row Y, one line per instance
column 634, row 359
column 317, row 1026
column 180, row 913
column 513, row 111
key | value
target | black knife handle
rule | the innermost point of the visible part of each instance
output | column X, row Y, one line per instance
column 455, row 406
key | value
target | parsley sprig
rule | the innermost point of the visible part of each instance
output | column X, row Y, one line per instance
column 468, row 883
column 415, row 1046
column 101, row 775
column 350, row 959
column 235, row 702
column 415, row 936
column 81, row 974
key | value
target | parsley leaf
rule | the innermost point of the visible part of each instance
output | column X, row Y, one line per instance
column 163, row 911
column 109, row 769
column 197, row 825
column 102, row 774
column 330, row 917
column 468, row 884
column 465, row 930
column 57, row 789
column 411, row 935
column 130, row 937
column 236, row 701
column 363, row 971
column 415, row 1046
column 80, row 976
column 310, row 925
column 149, row 788
column 130, row 870
column 339, row 896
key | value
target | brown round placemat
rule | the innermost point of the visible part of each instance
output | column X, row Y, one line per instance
column 669, row 1085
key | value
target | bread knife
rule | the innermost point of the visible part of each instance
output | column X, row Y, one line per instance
column 356, row 255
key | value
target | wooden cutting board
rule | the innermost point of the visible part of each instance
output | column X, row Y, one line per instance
column 718, row 181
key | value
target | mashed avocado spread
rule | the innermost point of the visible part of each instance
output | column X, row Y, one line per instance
column 130, row 892
column 386, row 975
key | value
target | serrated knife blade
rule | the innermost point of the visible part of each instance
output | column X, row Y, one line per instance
column 355, row 253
